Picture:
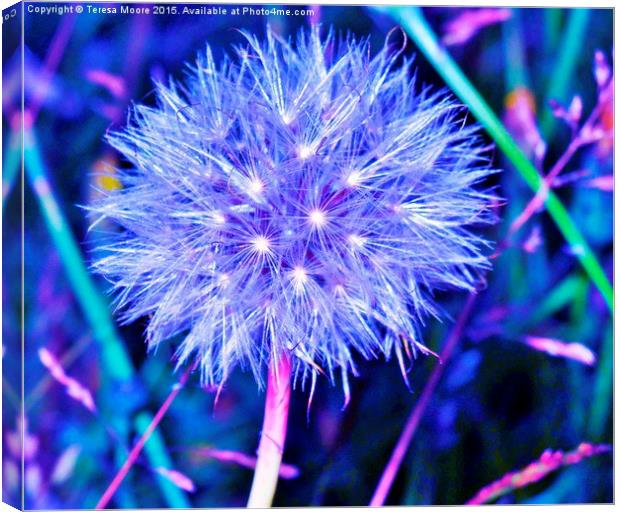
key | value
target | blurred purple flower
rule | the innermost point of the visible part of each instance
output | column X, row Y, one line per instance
column 286, row 471
column 602, row 71
column 533, row 241
column 177, row 478
column 113, row 83
column 520, row 119
column 300, row 198
column 557, row 348
column 604, row 183
column 571, row 115
column 467, row 24
column 74, row 389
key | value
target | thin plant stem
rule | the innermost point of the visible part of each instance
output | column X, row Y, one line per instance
column 562, row 74
column 516, row 74
column 54, row 55
column 398, row 454
column 548, row 462
column 602, row 395
column 273, row 434
column 155, row 450
column 413, row 22
column 132, row 458
column 578, row 141
column 53, row 58
column 115, row 359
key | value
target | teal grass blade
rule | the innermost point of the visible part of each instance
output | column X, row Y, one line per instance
column 115, row 360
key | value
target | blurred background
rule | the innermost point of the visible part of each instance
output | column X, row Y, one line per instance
column 533, row 365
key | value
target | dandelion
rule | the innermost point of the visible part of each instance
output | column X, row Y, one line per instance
column 294, row 208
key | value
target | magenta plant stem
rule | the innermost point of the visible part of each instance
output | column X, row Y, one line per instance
column 134, row 454
column 273, row 434
column 581, row 139
column 396, row 459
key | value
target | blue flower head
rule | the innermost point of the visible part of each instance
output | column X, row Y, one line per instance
column 302, row 198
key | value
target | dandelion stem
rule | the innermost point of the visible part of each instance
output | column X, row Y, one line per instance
column 398, row 454
column 273, row 435
column 413, row 22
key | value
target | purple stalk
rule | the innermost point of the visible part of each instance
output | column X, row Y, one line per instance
column 273, row 434
column 548, row 462
column 396, row 459
column 586, row 135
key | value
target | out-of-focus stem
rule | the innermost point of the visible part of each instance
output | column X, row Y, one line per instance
column 115, row 359
column 562, row 75
column 400, row 450
column 155, row 450
column 273, row 434
column 516, row 74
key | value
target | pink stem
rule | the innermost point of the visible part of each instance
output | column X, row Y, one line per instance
column 135, row 451
column 396, row 459
column 273, row 435
column 548, row 462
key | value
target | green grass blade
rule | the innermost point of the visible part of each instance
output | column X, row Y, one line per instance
column 413, row 22
column 114, row 357
column 115, row 360
column 562, row 74
column 516, row 74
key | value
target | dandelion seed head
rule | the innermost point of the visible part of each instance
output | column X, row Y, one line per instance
column 356, row 240
column 256, row 186
column 354, row 179
column 317, row 218
column 304, row 197
column 304, row 151
column 261, row 244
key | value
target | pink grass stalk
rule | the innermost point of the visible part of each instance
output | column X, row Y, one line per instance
column 74, row 389
column 589, row 132
column 177, row 478
column 548, row 462
column 286, row 471
column 273, row 434
column 465, row 26
column 604, row 183
column 557, row 348
column 135, row 451
column 114, row 84
column 400, row 450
